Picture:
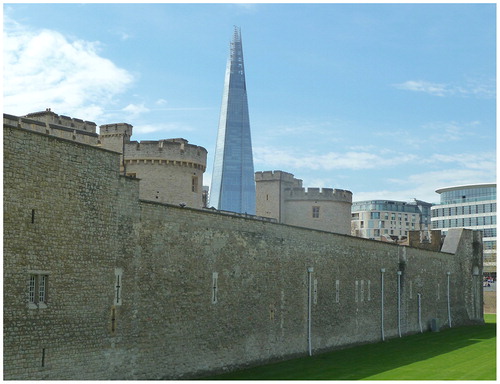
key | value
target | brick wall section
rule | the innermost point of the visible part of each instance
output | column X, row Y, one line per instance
column 89, row 222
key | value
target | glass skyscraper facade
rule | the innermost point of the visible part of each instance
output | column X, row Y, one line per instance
column 470, row 206
column 233, row 180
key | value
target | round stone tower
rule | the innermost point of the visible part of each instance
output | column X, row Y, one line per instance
column 170, row 171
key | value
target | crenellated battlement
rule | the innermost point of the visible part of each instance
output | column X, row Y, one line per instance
column 278, row 176
column 169, row 151
column 115, row 129
column 52, row 124
column 50, row 118
column 323, row 194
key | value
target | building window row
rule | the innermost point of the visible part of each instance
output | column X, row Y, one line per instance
column 465, row 222
column 487, row 245
column 390, row 206
column 372, row 233
column 464, row 210
column 468, row 194
column 393, row 216
column 488, row 232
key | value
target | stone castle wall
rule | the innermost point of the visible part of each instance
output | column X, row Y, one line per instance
column 199, row 291
column 69, row 215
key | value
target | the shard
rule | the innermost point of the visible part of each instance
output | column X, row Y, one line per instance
column 233, row 183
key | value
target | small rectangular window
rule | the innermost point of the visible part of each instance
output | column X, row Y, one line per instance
column 32, row 288
column 315, row 292
column 315, row 212
column 194, row 184
column 37, row 290
column 42, row 280
column 215, row 277
column 356, row 291
column 118, row 286
column 337, row 291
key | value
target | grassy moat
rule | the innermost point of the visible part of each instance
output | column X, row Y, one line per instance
column 464, row 353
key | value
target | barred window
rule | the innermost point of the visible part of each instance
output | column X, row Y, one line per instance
column 32, row 288
column 42, row 280
column 37, row 291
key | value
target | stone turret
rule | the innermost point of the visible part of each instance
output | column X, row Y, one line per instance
column 171, row 171
column 114, row 137
column 281, row 196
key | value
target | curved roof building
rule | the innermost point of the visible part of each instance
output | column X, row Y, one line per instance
column 470, row 206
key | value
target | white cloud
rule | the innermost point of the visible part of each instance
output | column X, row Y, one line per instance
column 269, row 157
column 161, row 102
column 423, row 86
column 484, row 162
column 433, row 134
column 170, row 127
column 134, row 110
column 467, row 169
column 44, row 69
column 477, row 88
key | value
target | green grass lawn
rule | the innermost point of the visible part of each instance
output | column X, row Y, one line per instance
column 465, row 353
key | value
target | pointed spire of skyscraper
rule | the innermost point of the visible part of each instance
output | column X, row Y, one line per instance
column 233, row 182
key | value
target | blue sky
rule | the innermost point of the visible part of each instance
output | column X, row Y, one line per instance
column 389, row 101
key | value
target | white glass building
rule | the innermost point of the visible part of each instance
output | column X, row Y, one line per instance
column 233, row 183
column 388, row 220
column 470, row 206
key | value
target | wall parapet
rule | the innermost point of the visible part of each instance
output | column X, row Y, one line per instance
column 274, row 175
column 324, row 194
column 82, row 131
column 115, row 129
column 165, row 151
column 51, row 118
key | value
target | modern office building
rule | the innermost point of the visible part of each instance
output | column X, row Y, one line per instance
column 233, row 184
column 470, row 206
column 389, row 220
